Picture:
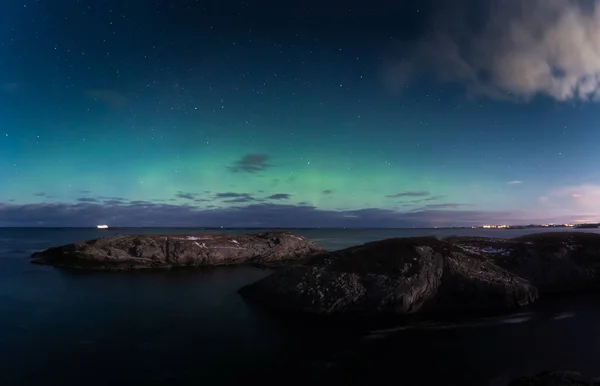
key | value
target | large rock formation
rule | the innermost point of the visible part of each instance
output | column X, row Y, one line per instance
column 557, row 378
column 408, row 275
column 555, row 262
column 123, row 252
column 394, row 277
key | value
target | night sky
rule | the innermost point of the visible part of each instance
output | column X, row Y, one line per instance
column 288, row 113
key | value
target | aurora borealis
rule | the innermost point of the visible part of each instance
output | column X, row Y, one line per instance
column 250, row 113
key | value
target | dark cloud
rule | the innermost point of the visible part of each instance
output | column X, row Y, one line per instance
column 251, row 163
column 88, row 199
column 233, row 195
column 327, row 191
column 141, row 203
column 40, row 194
column 280, row 196
column 112, row 198
column 186, row 196
column 449, row 205
column 409, row 194
column 144, row 213
column 240, row 200
column 428, row 199
column 434, row 198
column 85, row 191
column 113, row 98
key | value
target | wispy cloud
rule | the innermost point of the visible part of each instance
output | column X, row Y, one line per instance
column 186, row 195
column 448, row 205
column 409, row 194
column 251, row 163
column 280, row 196
column 88, row 199
column 233, row 195
column 514, row 182
column 583, row 195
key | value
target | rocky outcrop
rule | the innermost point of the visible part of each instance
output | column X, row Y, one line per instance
column 555, row 262
column 393, row 277
column 410, row 275
column 557, row 378
column 129, row 252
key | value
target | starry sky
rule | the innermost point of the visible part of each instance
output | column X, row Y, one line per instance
column 299, row 113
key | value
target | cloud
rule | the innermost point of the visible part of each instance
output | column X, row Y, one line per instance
column 144, row 213
column 233, row 195
column 449, row 205
column 514, row 182
column 113, row 98
column 587, row 195
column 327, row 191
column 40, row 194
column 409, row 194
column 280, row 196
column 251, row 163
column 186, row 196
column 428, row 199
column 510, row 49
column 239, row 200
column 87, row 199
column 434, row 198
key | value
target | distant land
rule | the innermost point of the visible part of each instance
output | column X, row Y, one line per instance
column 502, row 226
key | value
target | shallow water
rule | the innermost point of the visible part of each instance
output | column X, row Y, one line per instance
column 183, row 327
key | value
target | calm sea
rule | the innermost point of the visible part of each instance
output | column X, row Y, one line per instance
column 190, row 327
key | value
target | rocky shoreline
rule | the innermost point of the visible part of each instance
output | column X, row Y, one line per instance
column 407, row 276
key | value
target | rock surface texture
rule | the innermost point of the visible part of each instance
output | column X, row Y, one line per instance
column 409, row 275
column 130, row 252
column 557, row 378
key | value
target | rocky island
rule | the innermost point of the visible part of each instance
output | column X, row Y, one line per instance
column 405, row 276
column 131, row 252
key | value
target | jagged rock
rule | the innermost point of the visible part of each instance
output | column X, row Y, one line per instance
column 394, row 277
column 124, row 252
column 555, row 262
column 557, row 378
column 424, row 274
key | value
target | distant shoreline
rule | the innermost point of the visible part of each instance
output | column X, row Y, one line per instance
column 510, row 227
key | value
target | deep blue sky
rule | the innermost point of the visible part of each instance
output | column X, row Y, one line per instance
column 259, row 113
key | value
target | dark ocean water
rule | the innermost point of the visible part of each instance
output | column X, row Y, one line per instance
column 190, row 327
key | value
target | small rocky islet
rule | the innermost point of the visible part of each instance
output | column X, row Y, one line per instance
column 136, row 252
